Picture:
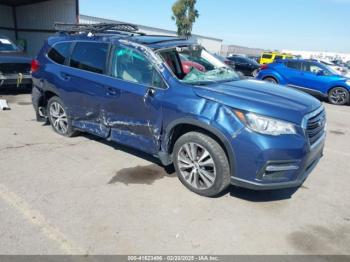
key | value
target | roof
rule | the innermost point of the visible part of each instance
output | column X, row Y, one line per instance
column 152, row 41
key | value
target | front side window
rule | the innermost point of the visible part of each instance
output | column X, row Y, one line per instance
column 59, row 52
column 131, row 65
column 278, row 57
column 316, row 68
column 89, row 56
column 204, row 68
column 240, row 60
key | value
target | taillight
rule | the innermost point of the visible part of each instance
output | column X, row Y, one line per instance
column 263, row 67
column 35, row 65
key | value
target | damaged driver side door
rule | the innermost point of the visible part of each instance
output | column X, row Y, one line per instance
column 132, row 107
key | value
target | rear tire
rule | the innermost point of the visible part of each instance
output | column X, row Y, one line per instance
column 338, row 96
column 59, row 118
column 270, row 80
column 201, row 164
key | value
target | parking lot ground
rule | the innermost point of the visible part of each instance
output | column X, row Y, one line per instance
column 82, row 195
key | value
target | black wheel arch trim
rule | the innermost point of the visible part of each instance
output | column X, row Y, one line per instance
column 332, row 87
column 273, row 77
column 165, row 156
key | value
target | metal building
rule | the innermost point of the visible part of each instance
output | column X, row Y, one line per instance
column 32, row 21
column 211, row 44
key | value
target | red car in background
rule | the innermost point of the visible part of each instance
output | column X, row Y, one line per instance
column 187, row 65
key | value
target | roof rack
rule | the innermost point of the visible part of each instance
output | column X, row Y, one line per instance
column 96, row 28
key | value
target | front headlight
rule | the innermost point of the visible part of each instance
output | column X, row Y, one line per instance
column 348, row 82
column 266, row 125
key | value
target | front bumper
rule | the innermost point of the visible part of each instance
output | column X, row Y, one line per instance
column 295, row 155
column 15, row 79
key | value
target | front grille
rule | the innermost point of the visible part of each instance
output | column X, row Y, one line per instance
column 15, row 68
column 315, row 127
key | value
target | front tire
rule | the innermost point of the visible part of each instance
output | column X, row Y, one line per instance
column 201, row 164
column 58, row 117
column 338, row 96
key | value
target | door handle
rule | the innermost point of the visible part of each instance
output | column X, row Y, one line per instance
column 65, row 76
column 150, row 92
column 112, row 91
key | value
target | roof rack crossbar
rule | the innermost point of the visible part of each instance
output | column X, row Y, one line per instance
column 96, row 28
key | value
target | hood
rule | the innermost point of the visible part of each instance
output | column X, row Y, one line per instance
column 14, row 57
column 261, row 98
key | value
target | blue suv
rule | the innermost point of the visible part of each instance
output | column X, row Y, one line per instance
column 309, row 76
column 123, row 86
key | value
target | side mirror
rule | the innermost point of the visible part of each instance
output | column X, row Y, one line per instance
column 320, row 73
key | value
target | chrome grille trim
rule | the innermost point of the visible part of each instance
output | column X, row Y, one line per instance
column 313, row 132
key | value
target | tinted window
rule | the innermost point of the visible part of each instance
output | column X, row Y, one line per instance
column 132, row 66
column 59, row 52
column 89, row 56
column 267, row 56
column 239, row 60
column 294, row 65
column 278, row 57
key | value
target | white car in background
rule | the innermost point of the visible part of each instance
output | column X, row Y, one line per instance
column 341, row 70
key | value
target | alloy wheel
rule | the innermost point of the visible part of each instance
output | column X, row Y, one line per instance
column 58, row 118
column 196, row 166
column 338, row 96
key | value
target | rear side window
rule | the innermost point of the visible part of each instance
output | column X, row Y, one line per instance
column 294, row 65
column 240, row 60
column 59, row 52
column 89, row 56
column 266, row 56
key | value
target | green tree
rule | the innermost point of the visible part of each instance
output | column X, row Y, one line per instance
column 184, row 14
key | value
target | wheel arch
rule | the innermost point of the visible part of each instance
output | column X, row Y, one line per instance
column 271, row 76
column 45, row 97
column 181, row 126
column 275, row 75
column 337, row 85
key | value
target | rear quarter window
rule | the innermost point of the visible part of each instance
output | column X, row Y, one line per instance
column 89, row 56
column 59, row 52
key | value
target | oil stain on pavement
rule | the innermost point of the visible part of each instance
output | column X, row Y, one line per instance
column 139, row 175
column 319, row 239
column 337, row 132
column 24, row 103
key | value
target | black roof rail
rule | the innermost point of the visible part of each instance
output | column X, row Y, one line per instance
column 96, row 28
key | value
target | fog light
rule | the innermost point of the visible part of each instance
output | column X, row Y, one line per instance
column 277, row 171
column 275, row 168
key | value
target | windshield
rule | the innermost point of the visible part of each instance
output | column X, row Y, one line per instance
column 195, row 65
column 331, row 70
column 328, row 70
column 7, row 46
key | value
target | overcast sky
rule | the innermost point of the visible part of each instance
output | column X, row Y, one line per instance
column 315, row 25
